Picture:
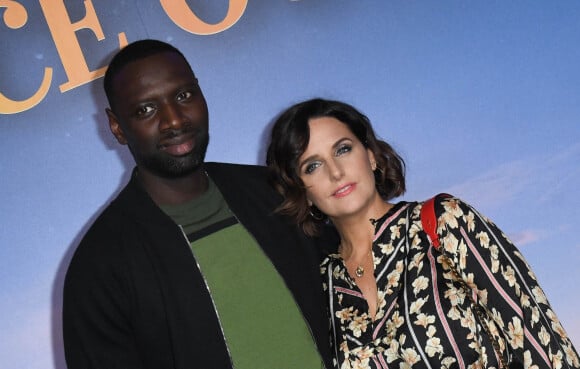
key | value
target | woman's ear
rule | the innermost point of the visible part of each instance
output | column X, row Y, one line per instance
column 372, row 159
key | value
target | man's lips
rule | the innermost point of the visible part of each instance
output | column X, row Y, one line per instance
column 344, row 190
column 178, row 145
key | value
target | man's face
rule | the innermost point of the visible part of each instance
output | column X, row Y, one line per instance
column 159, row 111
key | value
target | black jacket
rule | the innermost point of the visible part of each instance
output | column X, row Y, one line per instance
column 135, row 298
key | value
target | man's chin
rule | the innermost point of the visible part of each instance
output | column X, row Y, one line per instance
column 174, row 168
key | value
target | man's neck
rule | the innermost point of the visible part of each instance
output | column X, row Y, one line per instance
column 173, row 191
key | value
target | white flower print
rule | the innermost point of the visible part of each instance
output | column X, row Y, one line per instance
column 392, row 352
column 572, row 357
column 431, row 331
column 528, row 364
column 557, row 327
column 448, row 361
column 386, row 248
column 417, row 305
column 516, row 333
column 450, row 243
column 544, row 336
column 361, row 364
column 497, row 317
column 510, row 276
column 482, row 296
column 417, row 262
column 468, row 321
column 469, row 219
column 455, row 295
column 454, row 313
column 539, row 295
column 556, row 359
column 462, row 254
column 424, row 320
column 433, row 346
column 535, row 317
column 344, row 314
column 419, row 284
column 410, row 357
column 483, row 238
column 395, row 232
column 358, row 324
column 525, row 300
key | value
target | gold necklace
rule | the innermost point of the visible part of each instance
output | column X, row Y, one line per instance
column 359, row 271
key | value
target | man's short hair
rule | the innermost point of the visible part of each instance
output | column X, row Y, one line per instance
column 133, row 52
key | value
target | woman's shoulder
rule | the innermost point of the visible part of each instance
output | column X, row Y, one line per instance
column 445, row 204
column 451, row 212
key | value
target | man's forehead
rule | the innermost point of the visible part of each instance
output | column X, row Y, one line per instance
column 149, row 78
column 166, row 60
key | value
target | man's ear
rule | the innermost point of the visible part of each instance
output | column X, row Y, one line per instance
column 115, row 127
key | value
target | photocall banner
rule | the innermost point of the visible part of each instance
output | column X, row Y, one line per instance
column 481, row 99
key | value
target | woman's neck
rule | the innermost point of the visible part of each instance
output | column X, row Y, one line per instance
column 357, row 232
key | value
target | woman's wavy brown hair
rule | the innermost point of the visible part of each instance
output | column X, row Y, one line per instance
column 289, row 139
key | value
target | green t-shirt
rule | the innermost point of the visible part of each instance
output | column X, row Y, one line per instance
column 261, row 322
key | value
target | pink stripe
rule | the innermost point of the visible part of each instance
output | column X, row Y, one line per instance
column 536, row 345
column 383, row 362
column 507, row 298
column 442, row 317
column 490, row 275
column 376, row 331
column 388, row 221
column 348, row 291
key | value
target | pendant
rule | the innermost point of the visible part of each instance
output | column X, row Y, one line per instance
column 359, row 271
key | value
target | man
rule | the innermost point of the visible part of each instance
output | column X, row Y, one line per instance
column 188, row 267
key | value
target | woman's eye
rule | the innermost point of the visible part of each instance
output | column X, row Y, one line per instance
column 309, row 168
column 343, row 150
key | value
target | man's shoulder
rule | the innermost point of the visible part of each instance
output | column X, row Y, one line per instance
column 235, row 168
column 112, row 218
column 228, row 174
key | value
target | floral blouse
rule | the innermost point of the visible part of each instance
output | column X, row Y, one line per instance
column 424, row 318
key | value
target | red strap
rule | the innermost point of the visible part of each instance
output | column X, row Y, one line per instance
column 429, row 220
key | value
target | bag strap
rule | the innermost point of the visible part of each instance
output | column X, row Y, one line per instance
column 429, row 219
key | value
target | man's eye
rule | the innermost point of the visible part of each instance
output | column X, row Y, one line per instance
column 311, row 167
column 184, row 95
column 144, row 110
column 343, row 150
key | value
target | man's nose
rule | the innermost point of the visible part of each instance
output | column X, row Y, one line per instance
column 171, row 117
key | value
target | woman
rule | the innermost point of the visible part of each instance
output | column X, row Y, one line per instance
column 394, row 300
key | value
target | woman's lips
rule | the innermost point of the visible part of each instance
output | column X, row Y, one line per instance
column 344, row 190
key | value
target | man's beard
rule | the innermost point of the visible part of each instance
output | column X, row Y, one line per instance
column 168, row 166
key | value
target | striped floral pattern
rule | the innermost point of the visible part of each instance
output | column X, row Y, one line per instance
column 424, row 318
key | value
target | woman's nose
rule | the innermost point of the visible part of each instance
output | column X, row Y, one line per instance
column 335, row 169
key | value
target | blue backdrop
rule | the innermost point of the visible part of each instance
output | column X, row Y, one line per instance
column 482, row 99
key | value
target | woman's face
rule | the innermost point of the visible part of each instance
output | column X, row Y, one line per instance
column 337, row 170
